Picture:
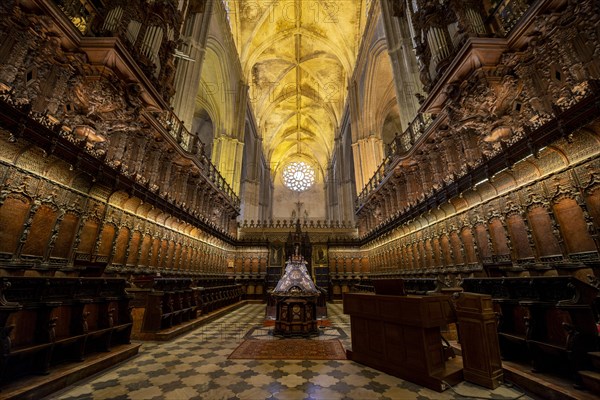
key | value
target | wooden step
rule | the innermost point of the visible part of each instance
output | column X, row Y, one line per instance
column 591, row 380
column 595, row 358
column 37, row 386
column 542, row 385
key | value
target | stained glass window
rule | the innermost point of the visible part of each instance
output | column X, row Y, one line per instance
column 298, row 176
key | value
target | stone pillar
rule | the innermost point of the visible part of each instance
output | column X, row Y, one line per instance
column 187, row 78
column 404, row 62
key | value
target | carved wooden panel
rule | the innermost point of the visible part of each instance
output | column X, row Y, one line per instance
column 106, row 240
column 184, row 258
column 518, row 237
column 445, row 245
column 541, row 226
column 238, row 264
column 168, row 260
column 88, row 236
column 134, row 248
column 195, row 263
column 593, row 204
column 555, row 333
column 41, row 230
column 177, row 255
column 457, row 248
column 498, row 236
column 66, row 234
column 365, row 264
column 422, row 254
column 155, row 246
column 468, row 241
column 348, row 263
column 24, row 331
column 159, row 249
column 144, row 253
column 192, row 259
column 12, row 218
column 573, row 227
column 481, row 235
column 121, row 246
column 429, row 253
column 437, row 252
column 408, row 256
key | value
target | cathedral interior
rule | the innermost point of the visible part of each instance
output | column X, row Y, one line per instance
column 162, row 161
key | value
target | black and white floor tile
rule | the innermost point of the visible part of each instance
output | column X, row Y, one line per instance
column 195, row 366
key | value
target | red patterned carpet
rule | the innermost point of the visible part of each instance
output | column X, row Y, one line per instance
column 320, row 322
column 289, row 349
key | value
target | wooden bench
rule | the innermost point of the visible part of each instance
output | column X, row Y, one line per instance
column 549, row 322
column 421, row 286
column 49, row 321
column 168, row 302
column 216, row 297
column 417, row 286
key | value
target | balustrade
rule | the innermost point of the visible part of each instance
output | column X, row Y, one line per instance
column 402, row 144
column 80, row 12
column 507, row 13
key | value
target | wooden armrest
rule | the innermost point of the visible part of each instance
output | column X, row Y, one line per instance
column 513, row 337
column 29, row 348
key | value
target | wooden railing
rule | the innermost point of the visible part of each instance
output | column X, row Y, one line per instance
column 507, row 13
column 402, row 144
column 58, row 134
column 185, row 139
column 566, row 118
column 80, row 12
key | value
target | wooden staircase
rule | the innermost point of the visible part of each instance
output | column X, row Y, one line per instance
column 591, row 378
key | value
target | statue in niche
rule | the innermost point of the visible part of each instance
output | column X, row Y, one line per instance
column 321, row 256
column 276, row 256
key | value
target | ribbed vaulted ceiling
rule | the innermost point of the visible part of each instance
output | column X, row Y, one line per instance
column 297, row 56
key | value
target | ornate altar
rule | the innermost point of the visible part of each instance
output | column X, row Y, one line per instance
column 295, row 299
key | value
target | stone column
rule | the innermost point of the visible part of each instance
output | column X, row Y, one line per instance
column 187, row 78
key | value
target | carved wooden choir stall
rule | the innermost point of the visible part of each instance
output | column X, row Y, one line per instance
column 546, row 322
column 45, row 322
column 165, row 303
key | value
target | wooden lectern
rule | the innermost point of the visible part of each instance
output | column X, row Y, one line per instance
column 400, row 335
column 478, row 332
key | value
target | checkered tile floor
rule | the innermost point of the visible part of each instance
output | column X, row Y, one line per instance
column 195, row 366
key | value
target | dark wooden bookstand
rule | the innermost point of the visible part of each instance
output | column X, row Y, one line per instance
column 400, row 335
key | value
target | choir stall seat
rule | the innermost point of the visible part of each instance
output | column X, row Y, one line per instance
column 548, row 322
column 46, row 321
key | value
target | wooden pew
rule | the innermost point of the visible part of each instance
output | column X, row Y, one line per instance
column 549, row 322
column 50, row 321
column 169, row 303
column 215, row 297
column 421, row 285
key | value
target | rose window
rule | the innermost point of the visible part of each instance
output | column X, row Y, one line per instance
column 298, row 176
